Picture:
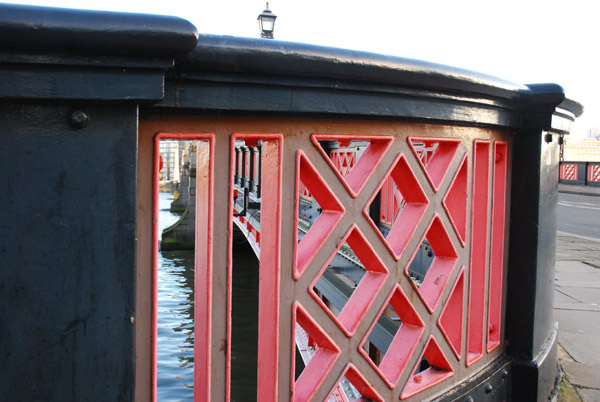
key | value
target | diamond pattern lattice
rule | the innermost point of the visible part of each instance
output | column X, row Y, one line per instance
column 404, row 341
column 359, row 385
column 321, row 228
column 352, row 157
column 317, row 350
column 435, row 156
column 455, row 202
column 438, row 274
column 355, row 267
column 411, row 213
column 392, row 339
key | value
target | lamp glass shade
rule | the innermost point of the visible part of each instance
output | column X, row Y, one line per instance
column 267, row 23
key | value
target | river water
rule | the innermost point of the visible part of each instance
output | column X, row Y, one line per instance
column 175, row 342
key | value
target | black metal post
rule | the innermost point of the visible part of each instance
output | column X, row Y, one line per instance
column 236, row 176
column 244, row 177
column 252, row 155
column 259, row 180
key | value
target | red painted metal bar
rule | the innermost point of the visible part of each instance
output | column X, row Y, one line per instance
column 202, row 264
column 479, row 251
column 269, row 270
column 497, row 245
column 269, row 264
column 451, row 318
column 455, row 201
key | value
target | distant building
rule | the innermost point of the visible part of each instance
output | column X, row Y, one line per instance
column 582, row 150
column 170, row 150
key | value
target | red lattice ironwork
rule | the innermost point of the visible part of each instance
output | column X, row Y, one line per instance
column 352, row 375
column 439, row 369
column 321, row 349
column 409, row 217
column 444, row 260
column 446, row 230
column 353, row 161
column 455, row 202
column 404, row 341
column 437, row 163
column 362, row 297
column 569, row 171
column 391, row 202
column 593, row 173
column 451, row 318
column 389, row 336
column 332, row 212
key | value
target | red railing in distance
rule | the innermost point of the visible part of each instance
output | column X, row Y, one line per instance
column 569, row 171
column 593, row 173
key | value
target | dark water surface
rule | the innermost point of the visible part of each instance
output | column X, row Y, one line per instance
column 175, row 356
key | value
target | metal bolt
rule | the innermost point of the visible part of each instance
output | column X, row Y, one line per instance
column 488, row 388
column 548, row 138
column 469, row 399
column 78, row 119
column 504, row 373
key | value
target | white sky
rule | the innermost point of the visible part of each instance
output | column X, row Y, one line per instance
column 525, row 41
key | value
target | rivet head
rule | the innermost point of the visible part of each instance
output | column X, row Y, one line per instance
column 418, row 378
column 505, row 373
column 488, row 388
column 469, row 399
column 78, row 119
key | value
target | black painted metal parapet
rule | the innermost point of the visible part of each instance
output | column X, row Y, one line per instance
column 50, row 53
column 72, row 82
column 42, row 30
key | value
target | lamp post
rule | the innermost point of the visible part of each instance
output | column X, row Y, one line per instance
column 266, row 23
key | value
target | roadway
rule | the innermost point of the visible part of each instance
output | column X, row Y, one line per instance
column 577, row 290
column 579, row 214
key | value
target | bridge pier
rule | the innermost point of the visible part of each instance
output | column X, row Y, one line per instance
column 181, row 235
column 180, row 204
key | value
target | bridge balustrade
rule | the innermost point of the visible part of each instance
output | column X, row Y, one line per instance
column 401, row 213
column 582, row 173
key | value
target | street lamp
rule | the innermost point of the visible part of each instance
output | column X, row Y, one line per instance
column 266, row 23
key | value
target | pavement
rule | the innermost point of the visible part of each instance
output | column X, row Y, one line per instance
column 577, row 305
column 577, row 189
